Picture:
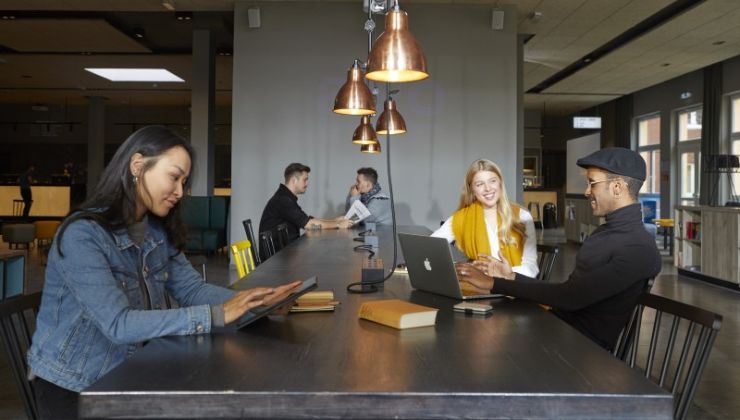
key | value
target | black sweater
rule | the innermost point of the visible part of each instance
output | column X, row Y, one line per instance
column 612, row 267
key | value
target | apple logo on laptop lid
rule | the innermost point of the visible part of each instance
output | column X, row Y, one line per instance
column 427, row 264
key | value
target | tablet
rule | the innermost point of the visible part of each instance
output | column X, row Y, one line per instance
column 256, row 313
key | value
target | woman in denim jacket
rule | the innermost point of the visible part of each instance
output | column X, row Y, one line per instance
column 112, row 266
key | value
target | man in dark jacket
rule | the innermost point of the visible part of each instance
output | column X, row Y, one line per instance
column 612, row 266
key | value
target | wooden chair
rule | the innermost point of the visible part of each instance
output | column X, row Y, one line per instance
column 250, row 237
column 547, row 254
column 241, row 252
column 17, row 316
column 681, row 377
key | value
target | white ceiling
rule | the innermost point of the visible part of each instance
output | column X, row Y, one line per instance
column 566, row 32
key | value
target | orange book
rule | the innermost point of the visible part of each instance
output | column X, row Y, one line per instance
column 398, row 313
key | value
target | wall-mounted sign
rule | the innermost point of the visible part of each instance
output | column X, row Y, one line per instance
column 586, row 122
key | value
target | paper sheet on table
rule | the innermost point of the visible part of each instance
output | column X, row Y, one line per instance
column 358, row 212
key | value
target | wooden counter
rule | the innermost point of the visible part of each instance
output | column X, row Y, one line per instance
column 48, row 200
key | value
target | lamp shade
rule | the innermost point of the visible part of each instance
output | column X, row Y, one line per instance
column 370, row 148
column 396, row 55
column 390, row 120
column 354, row 97
column 364, row 133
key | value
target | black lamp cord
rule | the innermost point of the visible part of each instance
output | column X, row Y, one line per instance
column 370, row 286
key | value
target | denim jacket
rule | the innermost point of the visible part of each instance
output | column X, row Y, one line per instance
column 94, row 311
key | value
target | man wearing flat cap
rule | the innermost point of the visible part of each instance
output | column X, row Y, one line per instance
column 612, row 266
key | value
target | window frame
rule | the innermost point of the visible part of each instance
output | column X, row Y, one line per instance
column 687, row 146
column 652, row 179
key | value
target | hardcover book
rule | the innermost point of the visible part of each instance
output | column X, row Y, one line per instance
column 398, row 314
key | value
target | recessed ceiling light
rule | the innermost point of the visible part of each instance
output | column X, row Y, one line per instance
column 139, row 33
column 183, row 16
column 665, row 64
column 169, row 5
column 136, row 75
column 718, row 42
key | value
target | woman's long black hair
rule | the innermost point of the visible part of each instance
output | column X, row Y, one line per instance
column 113, row 202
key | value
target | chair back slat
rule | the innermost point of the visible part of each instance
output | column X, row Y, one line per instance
column 669, row 350
column 706, row 346
column 653, row 346
column 17, row 315
column 696, row 340
column 250, row 237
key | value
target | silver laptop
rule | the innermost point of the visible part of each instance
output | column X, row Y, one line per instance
column 431, row 267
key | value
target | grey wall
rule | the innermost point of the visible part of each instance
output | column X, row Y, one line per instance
column 287, row 73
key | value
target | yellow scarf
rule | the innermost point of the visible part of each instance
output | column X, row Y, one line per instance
column 471, row 236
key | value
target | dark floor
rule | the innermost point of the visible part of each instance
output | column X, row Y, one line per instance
column 718, row 395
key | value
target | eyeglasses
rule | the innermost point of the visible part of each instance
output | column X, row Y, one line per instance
column 590, row 184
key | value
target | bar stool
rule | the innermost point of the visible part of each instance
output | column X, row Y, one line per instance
column 18, row 207
column 666, row 225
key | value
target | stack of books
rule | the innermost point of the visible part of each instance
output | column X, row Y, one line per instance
column 317, row 301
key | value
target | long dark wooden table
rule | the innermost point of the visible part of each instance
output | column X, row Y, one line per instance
column 518, row 362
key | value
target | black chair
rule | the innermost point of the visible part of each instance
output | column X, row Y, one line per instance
column 267, row 245
column 546, row 256
column 17, row 318
column 250, row 237
column 680, row 377
column 281, row 236
column 628, row 332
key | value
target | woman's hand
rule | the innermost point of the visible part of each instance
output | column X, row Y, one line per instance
column 252, row 298
column 244, row 301
column 472, row 278
column 281, row 292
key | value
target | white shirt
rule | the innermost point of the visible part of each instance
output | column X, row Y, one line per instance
column 529, row 265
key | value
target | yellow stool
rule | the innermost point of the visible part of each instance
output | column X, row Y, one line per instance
column 45, row 230
column 667, row 226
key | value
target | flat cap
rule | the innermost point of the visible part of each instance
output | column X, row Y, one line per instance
column 616, row 160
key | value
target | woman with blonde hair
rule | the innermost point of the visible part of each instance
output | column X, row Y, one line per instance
column 488, row 225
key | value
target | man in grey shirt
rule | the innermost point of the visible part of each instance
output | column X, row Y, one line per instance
column 367, row 190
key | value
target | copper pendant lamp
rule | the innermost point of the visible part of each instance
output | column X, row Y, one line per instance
column 396, row 55
column 364, row 133
column 354, row 97
column 370, row 148
column 390, row 120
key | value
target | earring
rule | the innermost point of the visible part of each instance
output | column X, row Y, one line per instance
column 136, row 179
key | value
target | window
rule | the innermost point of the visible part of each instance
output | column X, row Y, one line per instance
column 689, row 125
column 648, row 145
column 735, row 141
column 689, row 154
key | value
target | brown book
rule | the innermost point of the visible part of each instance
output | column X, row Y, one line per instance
column 318, row 301
column 319, row 295
column 398, row 313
